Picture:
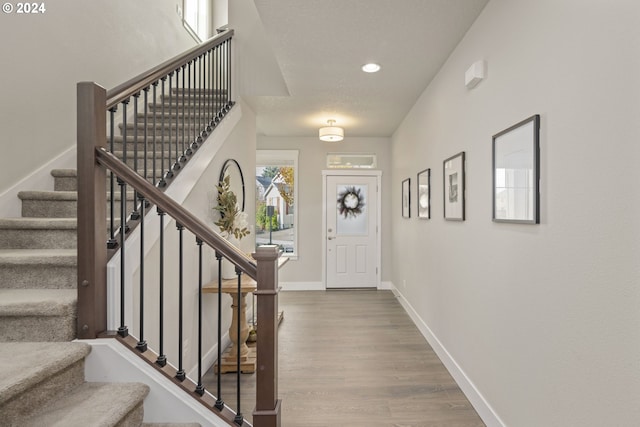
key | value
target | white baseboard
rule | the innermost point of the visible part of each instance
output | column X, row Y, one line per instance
column 386, row 286
column 319, row 286
column 41, row 179
column 480, row 404
column 302, row 286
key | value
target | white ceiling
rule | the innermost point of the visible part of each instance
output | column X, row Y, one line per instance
column 310, row 53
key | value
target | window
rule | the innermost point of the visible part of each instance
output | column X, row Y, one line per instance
column 196, row 18
column 351, row 161
column 276, row 196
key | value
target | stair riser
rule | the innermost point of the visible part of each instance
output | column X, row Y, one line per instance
column 133, row 418
column 65, row 183
column 169, row 132
column 14, row 411
column 49, row 208
column 37, row 328
column 38, row 276
column 158, row 162
column 193, row 117
column 38, row 239
column 187, row 107
column 63, row 208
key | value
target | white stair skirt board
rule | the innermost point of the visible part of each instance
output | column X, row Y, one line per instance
column 110, row 361
column 482, row 407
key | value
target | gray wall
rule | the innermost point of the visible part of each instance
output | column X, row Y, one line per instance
column 542, row 319
column 44, row 56
column 307, row 269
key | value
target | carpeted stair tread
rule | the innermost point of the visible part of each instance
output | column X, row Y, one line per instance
column 34, row 233
column 48, row 195
column 92, row 404
column 25, row 364
column 37, row 302
column 39, row 256
column 39, row 223
column 64, row 173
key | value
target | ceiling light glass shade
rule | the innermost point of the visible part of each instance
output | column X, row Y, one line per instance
column 371, row 68
column 331, row 134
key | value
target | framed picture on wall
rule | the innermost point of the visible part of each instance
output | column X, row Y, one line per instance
column 406, row 198
column 454, row 187
column 424, row 194
column 516, row 170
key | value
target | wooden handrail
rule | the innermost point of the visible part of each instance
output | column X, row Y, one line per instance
column 174, row 210
column 138, row 83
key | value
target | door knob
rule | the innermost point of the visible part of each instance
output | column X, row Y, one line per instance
column 330, row 238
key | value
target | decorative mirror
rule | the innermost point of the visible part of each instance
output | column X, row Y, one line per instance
column 232, row 169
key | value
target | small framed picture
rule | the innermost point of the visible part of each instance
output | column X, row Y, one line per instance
column 454, row 187
column 424, row 194
column 516, row 169
column 406, row 198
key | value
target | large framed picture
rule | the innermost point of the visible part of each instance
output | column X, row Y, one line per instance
column 406, row 198
column 453, row 187
column 424, row 194
column 516, row 170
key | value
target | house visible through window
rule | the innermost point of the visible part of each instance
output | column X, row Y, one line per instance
column 276, row 195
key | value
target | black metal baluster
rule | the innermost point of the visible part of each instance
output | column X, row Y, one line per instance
column 199, row 388
column 219, row 402
column 216, row 76
column 123, row 195
column 207, row 86
column 185, row 149
column 203, row 134
column 228, row 76
column 142, row 344
column 221, row 101
column 134, row 214
column 229, row 101
column 162, row 358
column 180, row 375
column 238, row 418
column 192, row 123
column 169, row 173
column 146, row 136
column 155, row 111
column 112, row 242
column 176, row 164
column 123, row 331
column 162, row 182
column 212, row 87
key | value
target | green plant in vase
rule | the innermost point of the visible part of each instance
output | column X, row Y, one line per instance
column 232, row 222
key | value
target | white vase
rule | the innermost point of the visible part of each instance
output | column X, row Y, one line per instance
column 228, row 268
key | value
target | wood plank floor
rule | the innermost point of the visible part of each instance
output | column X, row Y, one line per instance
column 355, row 358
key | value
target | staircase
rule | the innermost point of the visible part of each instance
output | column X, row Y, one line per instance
column 41, row 371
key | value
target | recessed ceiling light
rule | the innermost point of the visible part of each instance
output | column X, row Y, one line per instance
column 371, row 68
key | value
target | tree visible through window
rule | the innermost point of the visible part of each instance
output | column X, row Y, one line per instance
column 276, row 189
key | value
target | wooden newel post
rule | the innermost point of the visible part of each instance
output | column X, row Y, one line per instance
column 92, row 212
column 267, row 410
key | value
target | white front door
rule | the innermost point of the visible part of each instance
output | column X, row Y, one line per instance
column 352, row 253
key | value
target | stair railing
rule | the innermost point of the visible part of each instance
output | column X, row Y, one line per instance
column 163, row 115
column 95, row 163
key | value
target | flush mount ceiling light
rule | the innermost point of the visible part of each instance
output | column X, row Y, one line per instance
column 371, row 68
column 331, row 133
